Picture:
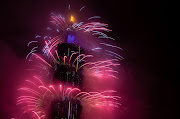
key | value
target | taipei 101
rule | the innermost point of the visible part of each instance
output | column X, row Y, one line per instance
column 85, row 59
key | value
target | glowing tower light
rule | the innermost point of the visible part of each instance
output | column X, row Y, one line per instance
column 72, row 19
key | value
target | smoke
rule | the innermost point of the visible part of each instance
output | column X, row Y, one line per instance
column 12, row 72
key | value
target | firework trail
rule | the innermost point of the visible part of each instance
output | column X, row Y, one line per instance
column 78, row 53
column 37, row 98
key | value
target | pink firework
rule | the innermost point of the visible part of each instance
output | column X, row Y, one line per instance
column 36, row 98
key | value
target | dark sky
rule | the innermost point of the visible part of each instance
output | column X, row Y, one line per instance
column 140, row 27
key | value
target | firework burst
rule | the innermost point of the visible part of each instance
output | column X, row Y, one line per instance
column 37, row 98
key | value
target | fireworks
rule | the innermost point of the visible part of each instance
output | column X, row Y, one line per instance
column 37, row 98
column 68, row 60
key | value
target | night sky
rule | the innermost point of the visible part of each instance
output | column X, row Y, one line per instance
column 140, row 27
